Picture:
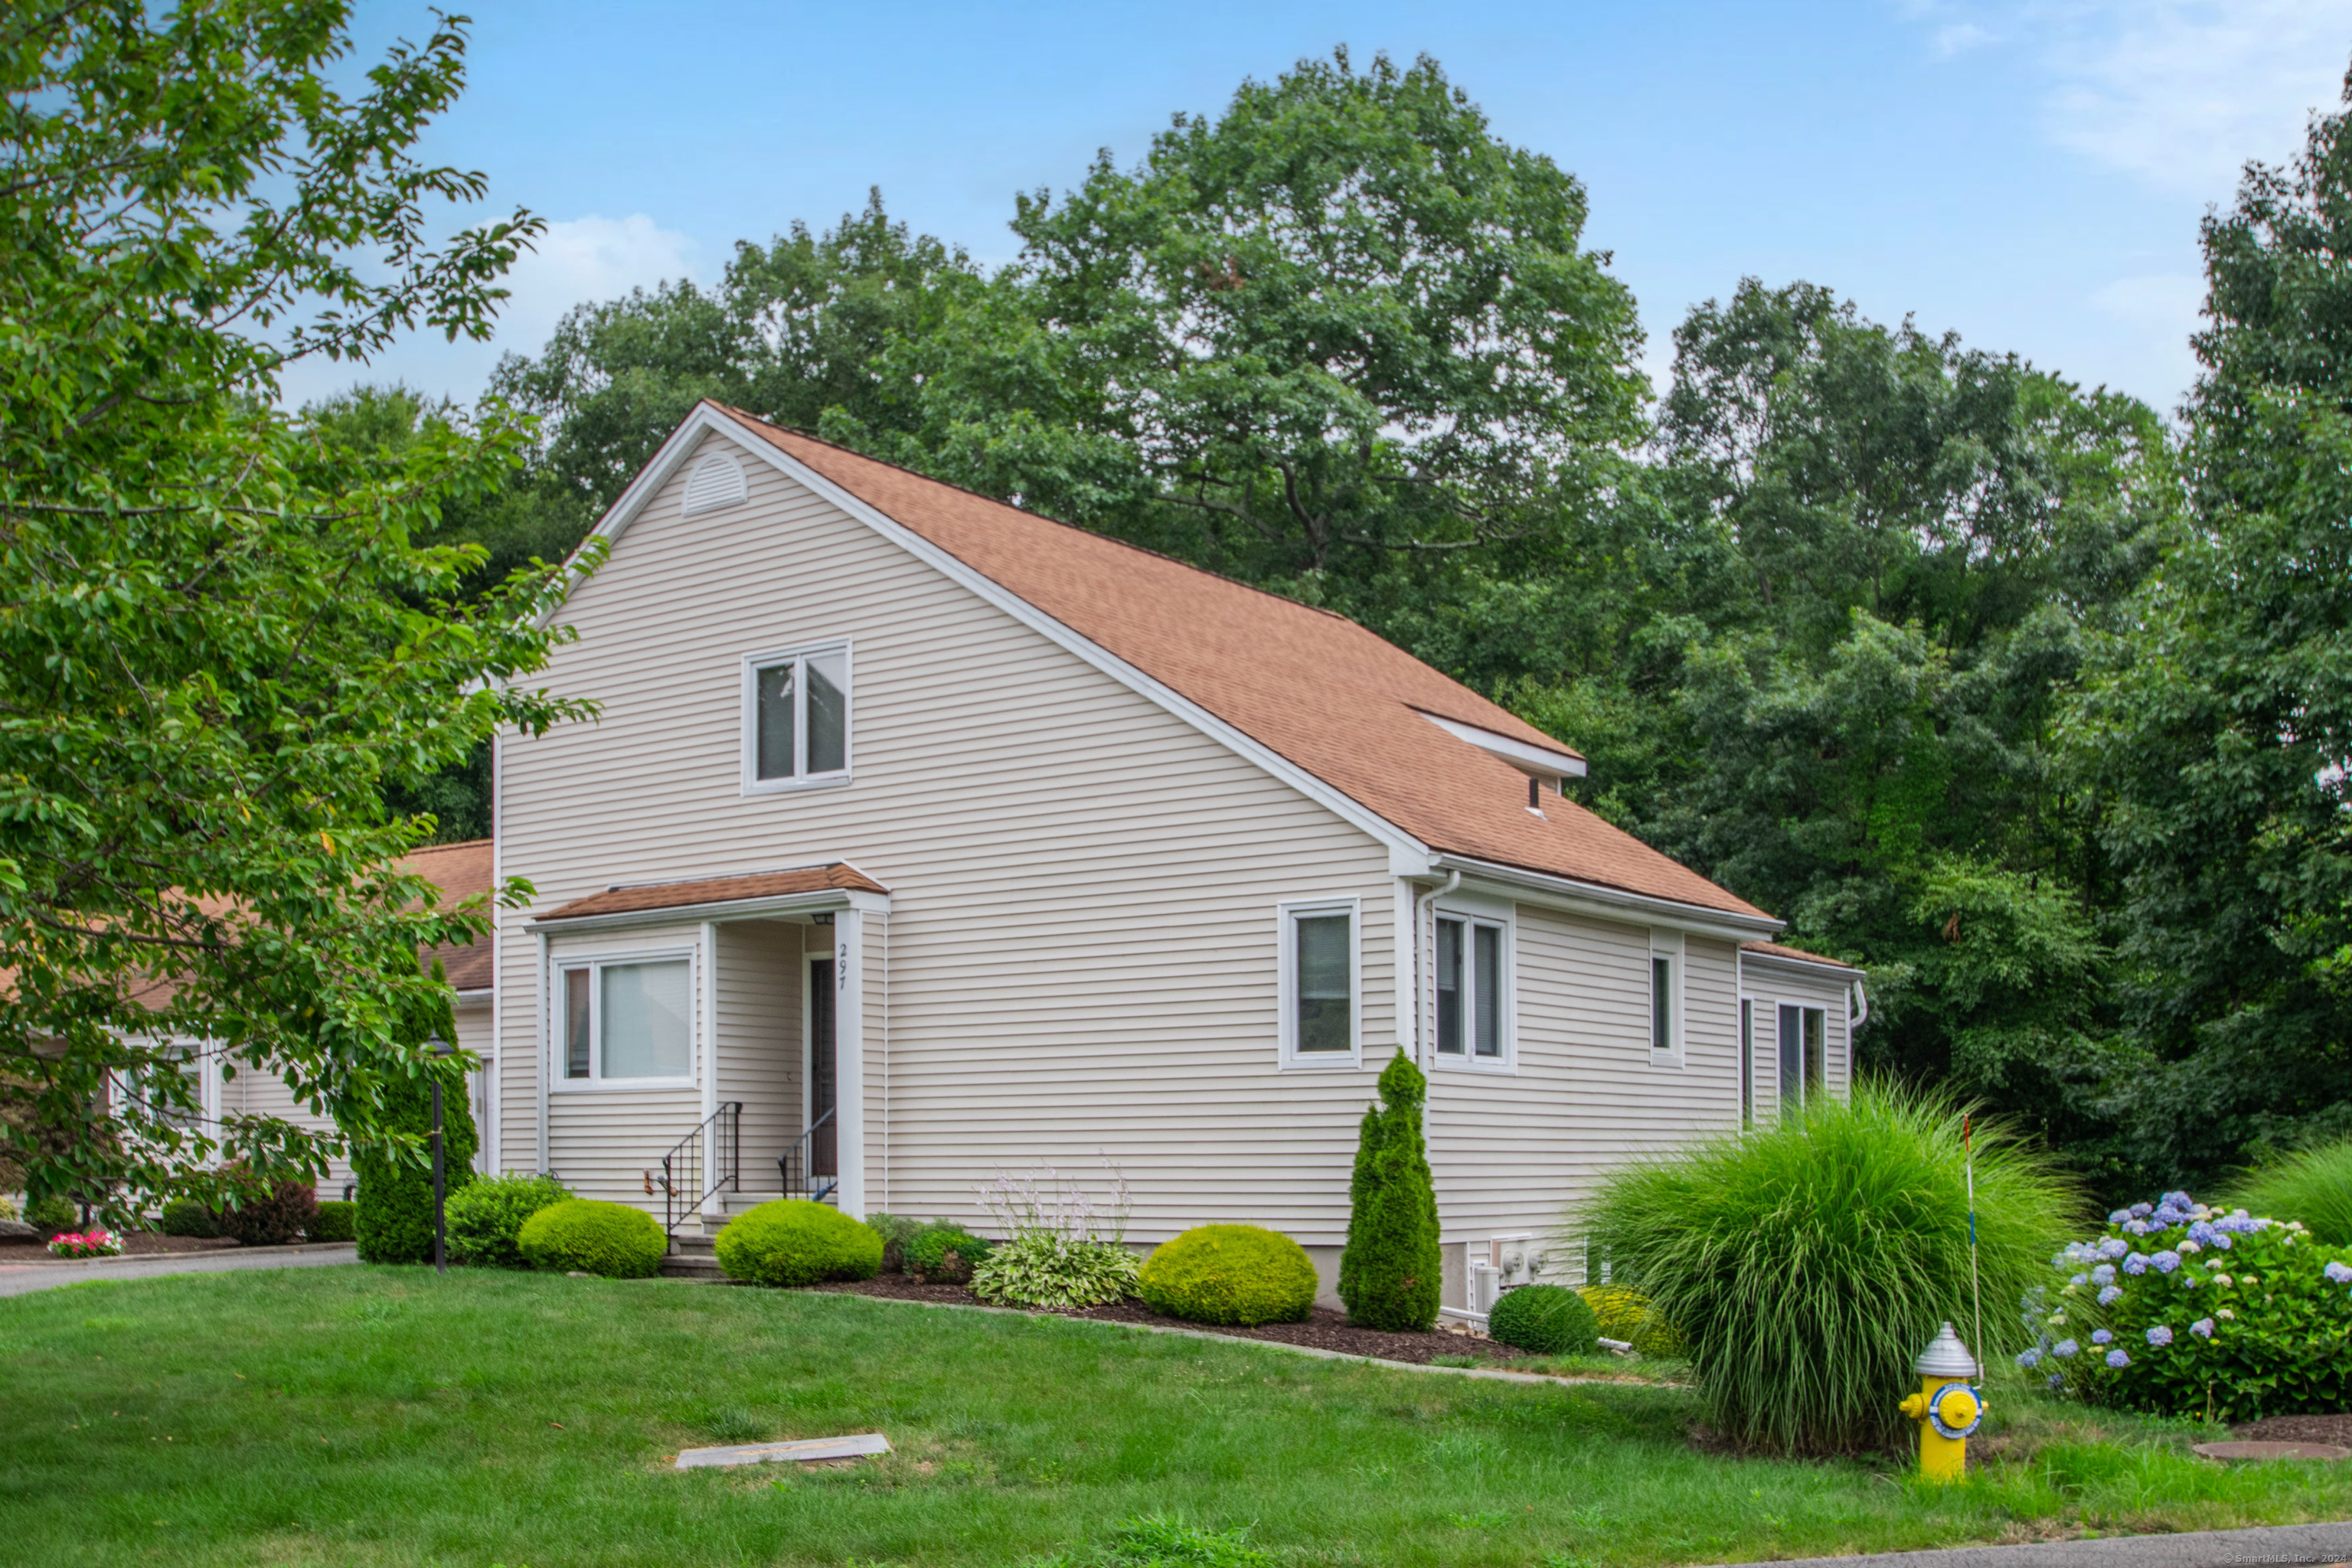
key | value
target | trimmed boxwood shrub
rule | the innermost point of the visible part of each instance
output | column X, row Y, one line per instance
column 486, row 1217
column 794, row 1242
column 334, row 1222
column 943, row 1253
column 187, row 1216
column 1549, row 1319
column 615, row 1241
column 1239, row 1274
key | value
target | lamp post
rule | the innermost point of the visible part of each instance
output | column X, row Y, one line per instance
column 440, row 1050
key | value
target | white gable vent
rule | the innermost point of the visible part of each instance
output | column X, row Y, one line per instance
column 717, row 483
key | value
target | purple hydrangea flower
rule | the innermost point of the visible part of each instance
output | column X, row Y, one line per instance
column 2080, row 1280
column 2338, row 1273
column 2104, row 1274
column 2102, row 1336
column 2177, row 1200
column 2202, row 1233
column 2028, row 1359
column 2136, row 1264
column 2202, row 1328
column 2064, row 1349
column 2119, row 1216
column 2117, row 1359
column 2159, row 1336
column 2223, row 1241
column 2138, row 1226
column 2166, row 1260
column 2110, row 1295
column 2057, row 1381
column 2114, row 1246
column 2141, row 1211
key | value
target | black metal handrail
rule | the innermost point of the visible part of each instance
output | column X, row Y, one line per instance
column 705, row 1159
column 793, row 1166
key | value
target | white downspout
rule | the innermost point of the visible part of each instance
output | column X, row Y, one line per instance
column 1425, row 1025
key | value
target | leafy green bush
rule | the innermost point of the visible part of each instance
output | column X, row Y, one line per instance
column 262, row 1213
column 1042, row 1269
column 1549, row 1319
column 615, row 1241
column 2183, row 1311
column 1806, row 1265
column 896, row 1230
column 187, row 1216
column 1622, row 1312
column 794, row 1242
column 1229, row 1274
column 486, row 1217
column 335, row 1221
column 394, row 1224
column 2313, row 1186
column 1391, row 1272
column 52, row 1213
column 944, row 1253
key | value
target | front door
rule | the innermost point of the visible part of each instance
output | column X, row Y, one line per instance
column 823, row 1148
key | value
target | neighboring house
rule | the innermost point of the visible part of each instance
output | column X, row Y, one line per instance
column 460, row 871
column 923, row 838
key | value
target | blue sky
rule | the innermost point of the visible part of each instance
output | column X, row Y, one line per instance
column 2027, row 172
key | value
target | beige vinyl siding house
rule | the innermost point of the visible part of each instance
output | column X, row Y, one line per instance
column 1010, row 845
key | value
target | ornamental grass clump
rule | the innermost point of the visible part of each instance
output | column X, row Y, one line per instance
column 2313, row 1186
column 2183, row 1311
column 1805, row 1266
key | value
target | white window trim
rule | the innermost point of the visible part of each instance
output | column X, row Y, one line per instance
column 749, row 780
column 1476, row 915
column 1670, row 946
column 1287, row 915
column 595, row 1082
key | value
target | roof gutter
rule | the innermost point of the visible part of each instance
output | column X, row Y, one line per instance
column 1605, row 903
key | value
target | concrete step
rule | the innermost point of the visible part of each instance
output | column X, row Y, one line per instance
column 691, row 1266
column 686, row 1243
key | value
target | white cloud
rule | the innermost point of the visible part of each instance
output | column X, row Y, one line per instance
column 2180, row 93
column 578, row 260
column 1959, row 37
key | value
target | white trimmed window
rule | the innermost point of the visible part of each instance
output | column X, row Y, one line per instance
column 1804, row 1053
column 1321, row 990
column 1665, row 995
column 796, row 718
column 1472, row 983
column 625, row 1021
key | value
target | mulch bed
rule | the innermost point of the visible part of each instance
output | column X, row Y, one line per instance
column 135, row 1244
column 2337, row 1429
column 1324, row 1331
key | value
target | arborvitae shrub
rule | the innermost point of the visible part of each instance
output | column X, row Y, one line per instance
column 613, row 1241
column 1549, row 1319
column 395, row 1223
column 1229, row 1274
column 1390, row 1274
column 794, row 1242
column 486, row 1219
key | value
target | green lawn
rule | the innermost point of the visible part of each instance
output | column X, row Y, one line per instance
column 370, row 1416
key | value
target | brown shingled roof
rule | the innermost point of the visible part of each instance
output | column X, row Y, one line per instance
column 461, row 871
column 1316, row 688
column 1775, row 950
column 839, row 877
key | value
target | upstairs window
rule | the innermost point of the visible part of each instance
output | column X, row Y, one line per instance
column 1473, row 990
column 1804, row 1051
column 796, row 718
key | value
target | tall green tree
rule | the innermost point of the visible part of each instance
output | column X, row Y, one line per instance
column 1338, row 337
column 2220, row 723
column 223, row 641
column 1389, row 1269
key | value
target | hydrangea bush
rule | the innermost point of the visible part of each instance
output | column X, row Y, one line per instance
column 2184, row 1311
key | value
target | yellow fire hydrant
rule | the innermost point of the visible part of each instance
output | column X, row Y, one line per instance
column 1949, row 1407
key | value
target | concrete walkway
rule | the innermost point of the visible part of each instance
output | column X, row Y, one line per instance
column 2274, row 1546
column 19, row 1278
